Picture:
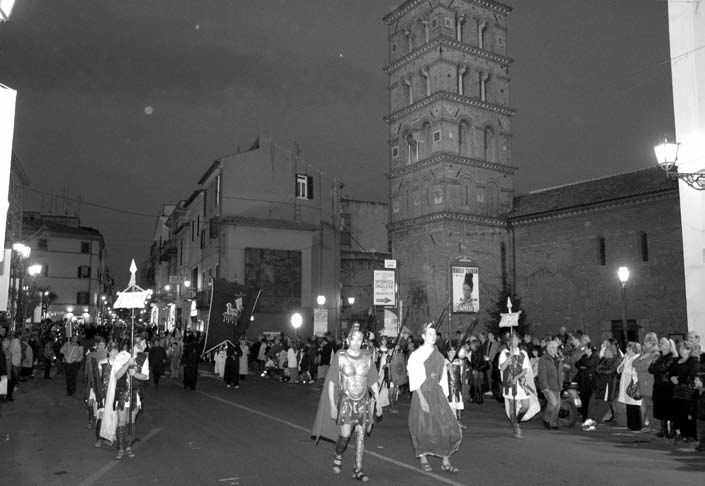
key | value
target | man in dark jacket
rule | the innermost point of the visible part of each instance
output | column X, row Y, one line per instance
column 550, row 384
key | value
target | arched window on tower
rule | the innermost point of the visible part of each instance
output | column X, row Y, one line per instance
column 464, row 138
column 408, row 90
column 643, row 246
column 492, row 199
column 427, row 139
column 484, row 82
column 601, row 251
column 462, row 71
column 412, row 148
column 481, row 33
column 488, row 146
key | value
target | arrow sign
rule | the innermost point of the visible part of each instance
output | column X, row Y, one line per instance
column 384, row 286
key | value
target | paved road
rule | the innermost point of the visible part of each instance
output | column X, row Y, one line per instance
column 259, row 435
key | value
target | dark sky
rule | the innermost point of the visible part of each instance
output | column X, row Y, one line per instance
column 125, row 104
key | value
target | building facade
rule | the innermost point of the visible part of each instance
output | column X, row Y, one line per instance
column 73, row 263
column 451, row 173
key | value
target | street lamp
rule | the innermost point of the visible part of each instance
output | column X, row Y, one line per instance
column 623, row 275
column 296, row 321
column 321, row 300
column 34, row 270
column 6, row 9
column 351, row 300
column 667, row 158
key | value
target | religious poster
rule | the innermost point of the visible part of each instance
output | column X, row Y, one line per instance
column 466, row 288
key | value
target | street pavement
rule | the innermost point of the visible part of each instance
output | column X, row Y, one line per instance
column 259, row 435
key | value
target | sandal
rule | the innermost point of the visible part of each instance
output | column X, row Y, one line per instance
column 360, row 476
column 129, row 452
column 120, row 454
column 425, row 466
column 449, row 468
column 337, row 464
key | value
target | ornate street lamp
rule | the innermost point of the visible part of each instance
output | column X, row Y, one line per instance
column 623, row 275
column 296, row 321
column 321, row 300
column 667, row 158
column 6, row 9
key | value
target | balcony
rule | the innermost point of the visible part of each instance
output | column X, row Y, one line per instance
column 203, row 299
column 168, row 250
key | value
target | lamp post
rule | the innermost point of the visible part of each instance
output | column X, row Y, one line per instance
column 296, row 321
column 667, row 158
column 22, row 251
column 623, row 275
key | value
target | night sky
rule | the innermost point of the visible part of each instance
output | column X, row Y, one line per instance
column 124, row 104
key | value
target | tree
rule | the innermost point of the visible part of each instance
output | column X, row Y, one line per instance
column 500, row 306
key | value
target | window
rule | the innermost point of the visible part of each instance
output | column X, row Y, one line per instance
column 203, row 239
column 395, row 152
column 42, row 244
column 84, row 271
column 488, row 144
column 346, row 230
column 481, row 30
column 217, row 190
column 395, row 205
column 304, row 186
column 85, row 247
column 217, row 270
column 481, row 197
column 45, row 270
column 500, row 40
column 644, row 247
column 193, row 230
column 181, row 252
column 394, row 47
column 83, row 298
column 194, row 279
column 449, row 23
column 434, row 23
column 212, row 229
column 438, row 196
column 198, row 224
column 437, row 136
column 601, row 251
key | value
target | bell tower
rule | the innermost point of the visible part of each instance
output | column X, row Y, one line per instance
column 451, row 172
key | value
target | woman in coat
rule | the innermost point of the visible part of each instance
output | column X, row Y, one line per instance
column 627, row 378
column 663, row 388
column 585, row 377
column 605, row 386
column 641, row 364
column 682, row 375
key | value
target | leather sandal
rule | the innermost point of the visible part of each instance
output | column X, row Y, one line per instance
column 337, row 464
column 360, row 476
column 449, row 468
column 425, row 466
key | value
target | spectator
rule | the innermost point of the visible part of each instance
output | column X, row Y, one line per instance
column 682, row 374
column 48, row 357
column 605, row 386
column 175, row 358
column 586, row 366
column 16, row 356
column 190, row 361
column 628, row 376
column 262, row 353
column 641, row 364
column 244, row 353
column 157, row 360
column 663, row 388
column 292, row 362
column 73, row 355
column 5, row 369
column 699, row 410
column 324, row 356
column 27, row 360
column 551, row 383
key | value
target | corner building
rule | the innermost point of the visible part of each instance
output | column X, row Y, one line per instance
column 451, row 173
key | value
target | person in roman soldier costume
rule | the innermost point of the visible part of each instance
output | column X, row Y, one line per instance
column 382, row 362
column 520, row 400
column 456, row 371
column 345, row 404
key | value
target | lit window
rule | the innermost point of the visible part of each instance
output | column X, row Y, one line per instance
column 304, row 186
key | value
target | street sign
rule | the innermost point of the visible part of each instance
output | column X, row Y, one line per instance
column 384, row 286
column 177, row 279
column 391, row 264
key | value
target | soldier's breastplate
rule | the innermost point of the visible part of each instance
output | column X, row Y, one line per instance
column 354, row 374
column 454, row 374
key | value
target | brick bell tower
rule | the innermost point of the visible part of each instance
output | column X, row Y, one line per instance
column 451, row 175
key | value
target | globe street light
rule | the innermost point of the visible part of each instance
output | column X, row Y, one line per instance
column 623, row 275
column 296, row 321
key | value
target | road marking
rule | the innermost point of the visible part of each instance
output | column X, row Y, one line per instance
column 298, row 427
column 93, row 478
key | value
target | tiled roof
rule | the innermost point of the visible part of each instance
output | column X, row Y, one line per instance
column 613, row 188
column 30, row 227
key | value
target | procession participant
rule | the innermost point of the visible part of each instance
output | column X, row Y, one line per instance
column 345, row 403
column 433, row 427
column 73, row 355
column 382, row 361
column 518, row 388
column 112, row 369
column 456, row 371
column 91, row 378
column 104, row 369
column 219, row 361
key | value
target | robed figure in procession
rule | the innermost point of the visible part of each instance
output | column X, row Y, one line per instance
column 433, row 425
column 346, row 405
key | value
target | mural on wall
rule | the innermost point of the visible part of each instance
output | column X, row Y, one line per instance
column 278, row 274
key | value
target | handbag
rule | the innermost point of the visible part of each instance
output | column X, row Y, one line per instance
column 3, row 385
column 683, row 391
column 633, row 390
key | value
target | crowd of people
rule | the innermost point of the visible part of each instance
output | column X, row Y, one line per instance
column 654, row 386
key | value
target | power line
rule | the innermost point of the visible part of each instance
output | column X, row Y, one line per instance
column 95, row 205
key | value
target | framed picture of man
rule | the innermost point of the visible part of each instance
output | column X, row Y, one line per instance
column 466, row 288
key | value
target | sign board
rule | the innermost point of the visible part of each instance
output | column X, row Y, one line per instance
column 391, row 324
column 465, row 285
column 509, row 320
column 177, row 279
column 320, row 321
column 391, row 264
column 384, row 288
